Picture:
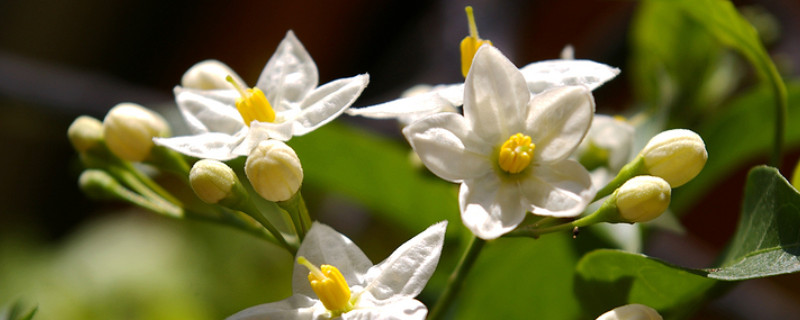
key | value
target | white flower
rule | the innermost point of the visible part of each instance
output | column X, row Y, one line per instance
column 286, row 90
column 539, row 76
column 382, row 291
column 509, row 150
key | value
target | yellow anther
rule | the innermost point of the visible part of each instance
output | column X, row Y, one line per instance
column 471, row 43
column 252, row 105
column 516, row 153
column 620, row 118
column 330, row 287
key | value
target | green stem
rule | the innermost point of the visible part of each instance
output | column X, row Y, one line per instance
column 297, row 210
column 251, row 210
column 457, row 278
column 630, row 170
column 781, row 110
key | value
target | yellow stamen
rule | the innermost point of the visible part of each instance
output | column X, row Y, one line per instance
column 252, row 105
column 516, row 153
column 471, row 43
column 330, row 287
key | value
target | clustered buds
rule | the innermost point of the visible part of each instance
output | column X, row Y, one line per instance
column 129, row 130
column 675, row 155
column 274, row 170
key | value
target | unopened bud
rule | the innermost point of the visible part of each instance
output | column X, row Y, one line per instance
column 98, row 184
column 642, row 198
column 209, row 75
column 213, row 181
column 675, row 155
column 631, row 312
column 274, row 170
column 129, row 130
column 85, row 132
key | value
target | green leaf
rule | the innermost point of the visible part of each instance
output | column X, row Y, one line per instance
column 722, row 20
column 377, row 172
column 16, row 312
column 735, row 137
column 673, row 61
column 522, row 278
column 606, row 279
column 766, row 243
column 767, row 240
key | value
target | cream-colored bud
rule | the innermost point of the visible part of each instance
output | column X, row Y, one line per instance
column 631, row 312
column 85, row 132
column 675, row 155
column 129, row 130
column 274, row 170
column 209, row 75
column 643, row 198
column 212, row 180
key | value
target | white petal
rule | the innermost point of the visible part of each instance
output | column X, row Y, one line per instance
column 543, row 75
column 417, row 106
column 327, row 102
column 558, row 120
column 489, row 207
column 406, row 271
column 209, row 110
column 212, row 145
column 403, row 309
column 260, row 131
column 561, row 190
column 323, row 245
column 294, row 307
column 446, row 146
column 290, row 73
column 495, row 96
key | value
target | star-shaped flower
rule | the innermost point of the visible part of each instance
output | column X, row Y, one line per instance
column 539, row 76
column 349, row 286
column 510, row 149
column 229, row 122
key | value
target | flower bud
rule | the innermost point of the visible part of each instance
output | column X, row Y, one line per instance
column 209, row 75
column 98, row 184
column 642, row 198
column 85, row 132
column 631, row 312
column 274, row 170
column 675, row 155
column 129, row 130
column 213, row 181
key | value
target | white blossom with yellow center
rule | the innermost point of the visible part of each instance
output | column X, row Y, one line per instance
column 228, row 119
column 510, row 149
column 347, row 285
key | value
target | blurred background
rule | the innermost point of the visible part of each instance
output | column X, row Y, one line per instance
column 81, row 259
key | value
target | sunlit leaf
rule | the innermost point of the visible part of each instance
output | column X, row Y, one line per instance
column 606, row 279
column 767, row 240
column 721, row 19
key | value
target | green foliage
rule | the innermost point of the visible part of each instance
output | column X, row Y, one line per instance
column 606, row 279
column 766, row 243
column 767, row 240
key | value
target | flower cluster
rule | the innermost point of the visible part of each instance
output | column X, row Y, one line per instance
column 524, row 144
